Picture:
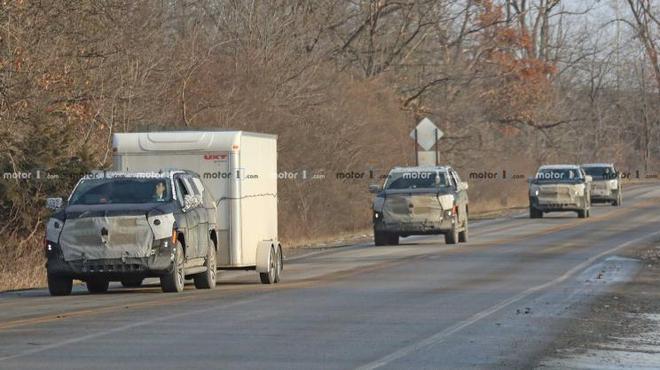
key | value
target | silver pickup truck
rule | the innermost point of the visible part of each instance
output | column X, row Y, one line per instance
column 418, row 201
column 129, row 226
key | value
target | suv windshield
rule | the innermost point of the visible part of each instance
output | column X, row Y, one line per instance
column 415, row 180
column 550, row 175
column 601, row 173
column 121, row 190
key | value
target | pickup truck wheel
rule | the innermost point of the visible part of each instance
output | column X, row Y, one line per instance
column 380, row 238
column 173, row 281
column 617, row 202
column 95, row 286
column 452, row 236
column 582, row 213
column 463, row 236
column 206, row 279
column 59, row 286
column 269, row 277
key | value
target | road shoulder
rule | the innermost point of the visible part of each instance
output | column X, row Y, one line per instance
column 619, row 329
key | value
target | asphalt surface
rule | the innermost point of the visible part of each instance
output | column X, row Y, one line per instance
column 495, row 302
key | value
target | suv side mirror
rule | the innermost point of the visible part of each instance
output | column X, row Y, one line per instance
column 190, row 201
column 531, row 179
column 464, row 185
column 54, row 203
column 374, row 188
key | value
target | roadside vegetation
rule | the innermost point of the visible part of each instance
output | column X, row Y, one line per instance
column 512, row 84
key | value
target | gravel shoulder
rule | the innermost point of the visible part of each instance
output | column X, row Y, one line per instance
column 619, row 329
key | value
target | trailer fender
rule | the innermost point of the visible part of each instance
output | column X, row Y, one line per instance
column 263, row 255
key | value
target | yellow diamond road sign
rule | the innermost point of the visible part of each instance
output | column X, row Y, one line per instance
column 427, row 134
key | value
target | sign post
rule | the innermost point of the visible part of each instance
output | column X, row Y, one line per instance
column 426, row 134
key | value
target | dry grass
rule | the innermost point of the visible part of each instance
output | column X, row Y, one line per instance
column 22, row 264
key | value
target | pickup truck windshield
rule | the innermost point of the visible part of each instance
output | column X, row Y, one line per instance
column 601, row 173
column 121, row 190
column 415, row 180
column 553, row 175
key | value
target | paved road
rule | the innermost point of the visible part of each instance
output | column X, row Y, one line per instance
column 496, row 302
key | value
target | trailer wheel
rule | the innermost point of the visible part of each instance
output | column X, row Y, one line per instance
column 280, row 264
column 269, row 277
column 59, row 286
column 96, row 286
column 173, row 281
column 206, row 279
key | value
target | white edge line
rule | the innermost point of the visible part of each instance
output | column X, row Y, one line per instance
column 444, row 334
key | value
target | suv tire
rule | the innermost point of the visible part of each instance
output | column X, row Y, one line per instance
column 96, row 286
column 464, row 236
column 131, row 282
column 206, row 279
column 174, row 281
column 59, row 286
column 380, row 238
column 452, row 236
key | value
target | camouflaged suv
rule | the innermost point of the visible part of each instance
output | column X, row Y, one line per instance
column 418, row 201
column 560, row 188
column 119, row 226
column 605, row 184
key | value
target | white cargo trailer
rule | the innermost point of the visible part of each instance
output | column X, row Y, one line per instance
column 238, row 168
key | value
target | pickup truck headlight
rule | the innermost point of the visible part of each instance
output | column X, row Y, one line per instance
column 613, row 184
column 377, row 216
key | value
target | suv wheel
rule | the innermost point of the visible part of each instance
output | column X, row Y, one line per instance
column 463, row 236
column 59, row 286
column 535, row 213
column 96, row 286
column 173, row 281
column 131, row 282
column 380, row 238
column 269, row 277
column 452, row 236
column 206, row 279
